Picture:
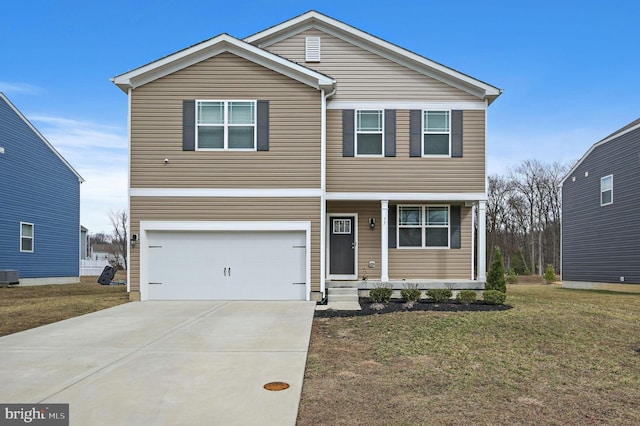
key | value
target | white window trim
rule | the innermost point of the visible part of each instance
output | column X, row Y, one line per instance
column 33, row 237
column 602, row 191
column 338, row 226
column 226, row 125
column 425, row 132
column 381, row 132
column 423, row 226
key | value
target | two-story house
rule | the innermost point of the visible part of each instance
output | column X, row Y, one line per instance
column 39, row 205
column 600, row 226
column 307, row 154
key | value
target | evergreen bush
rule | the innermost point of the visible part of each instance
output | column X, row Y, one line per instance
column 495, row 277
column 550, row 274
column 410, row 293
column 466, row 297
column 439, row 295
column 380, row 294
column 494, row 297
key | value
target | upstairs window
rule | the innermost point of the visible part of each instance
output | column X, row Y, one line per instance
column 226, row 125
column 606, row 190
column 423, row 226
column 436, row 133
column 369, row 131
column 26, row 237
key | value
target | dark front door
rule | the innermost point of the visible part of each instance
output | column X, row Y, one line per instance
column 342, row 245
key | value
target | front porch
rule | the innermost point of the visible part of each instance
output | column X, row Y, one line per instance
column 363, row 286
column 344, row 295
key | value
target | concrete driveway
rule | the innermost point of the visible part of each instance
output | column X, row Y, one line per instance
column 165, row 363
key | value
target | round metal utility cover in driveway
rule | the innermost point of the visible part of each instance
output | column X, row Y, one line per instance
column 226, row 265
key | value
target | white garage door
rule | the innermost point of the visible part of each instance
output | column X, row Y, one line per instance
column 226, row 265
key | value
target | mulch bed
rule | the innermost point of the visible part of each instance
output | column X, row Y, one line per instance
column 399, row 306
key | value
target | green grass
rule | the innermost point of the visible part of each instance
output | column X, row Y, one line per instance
column 558, row 357
column 22, row 308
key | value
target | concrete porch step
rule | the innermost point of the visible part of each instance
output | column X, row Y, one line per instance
column 341, row 299
column 342, row 295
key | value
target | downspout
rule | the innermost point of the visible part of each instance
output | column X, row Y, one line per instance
column 323, row 189
column 473, row 242
column 129, row 248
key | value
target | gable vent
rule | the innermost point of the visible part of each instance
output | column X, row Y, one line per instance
column 312, row 49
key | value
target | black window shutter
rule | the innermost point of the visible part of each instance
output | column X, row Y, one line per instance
column 393, row 214
column 389, row 132
column 188, row 125
column 262, row 119
column 415, row 133
column 454, row 223
column 456, row 133
column 348, row 136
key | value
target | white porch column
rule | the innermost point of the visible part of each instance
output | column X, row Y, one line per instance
column 482, row 241
column 384, row 241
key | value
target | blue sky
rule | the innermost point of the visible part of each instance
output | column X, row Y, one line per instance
column 569, row 69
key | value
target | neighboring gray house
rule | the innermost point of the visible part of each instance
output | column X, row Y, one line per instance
column 84, row 243
column 600, row 215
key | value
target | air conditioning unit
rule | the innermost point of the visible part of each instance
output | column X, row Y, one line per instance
column 9, row 276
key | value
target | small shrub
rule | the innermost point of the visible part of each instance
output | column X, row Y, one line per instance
column 410, row 293
column 439, row 295
column 550, row 274
column 380, row 294
column 494, row 297
column 512, row 278
column 466, row 297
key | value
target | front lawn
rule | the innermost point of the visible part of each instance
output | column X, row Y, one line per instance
column 559, row 357
column 22, row 308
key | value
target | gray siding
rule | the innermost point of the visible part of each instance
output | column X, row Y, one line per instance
column 602, row 243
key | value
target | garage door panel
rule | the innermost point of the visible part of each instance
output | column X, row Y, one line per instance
column 234, row 265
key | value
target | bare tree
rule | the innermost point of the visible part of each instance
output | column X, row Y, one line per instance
column 120, row 241
column 523, row 215
column 99, row 238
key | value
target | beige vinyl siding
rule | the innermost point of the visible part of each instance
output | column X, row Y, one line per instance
column 435, row 263
column 293, row 159
column 407, row 263
column 368, row 239
column 362, row 75
column 403, row 173
column 226, row 209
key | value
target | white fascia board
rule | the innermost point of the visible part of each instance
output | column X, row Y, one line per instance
column 479, row 105
column 594, row 146
column 234, row 193
column 285, row 26
column 378, row 46
column 41, row 137
column 405, row 196
column 213, row 47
